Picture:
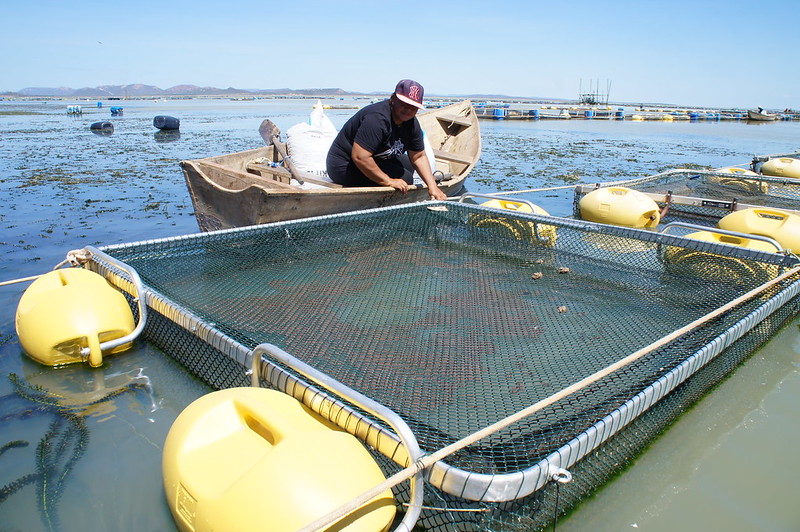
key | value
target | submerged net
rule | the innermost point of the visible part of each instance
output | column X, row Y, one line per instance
column 457, row 318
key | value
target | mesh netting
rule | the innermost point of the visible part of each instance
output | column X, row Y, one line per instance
column 455, row 319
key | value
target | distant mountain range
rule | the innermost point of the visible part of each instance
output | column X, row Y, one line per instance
column 137, row 90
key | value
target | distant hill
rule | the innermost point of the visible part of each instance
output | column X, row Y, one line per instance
column 138, row 90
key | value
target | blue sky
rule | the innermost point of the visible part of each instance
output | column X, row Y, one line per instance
column 705, row 53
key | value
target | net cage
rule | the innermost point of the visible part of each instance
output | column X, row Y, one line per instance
column 703, row 197
column 455, row 316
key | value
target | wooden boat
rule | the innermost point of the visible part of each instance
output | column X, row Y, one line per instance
column 761, row 116
column 251, row 187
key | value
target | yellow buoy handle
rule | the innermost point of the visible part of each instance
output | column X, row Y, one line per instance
column 770, row 213
column 511, row 205
column 506, row 203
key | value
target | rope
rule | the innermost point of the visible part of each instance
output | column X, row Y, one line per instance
column 510, row 192
column 429, row 460
column 76, row 257
column 20, row 280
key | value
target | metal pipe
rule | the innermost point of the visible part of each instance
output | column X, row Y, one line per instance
column 138, row 298
column 362, row 401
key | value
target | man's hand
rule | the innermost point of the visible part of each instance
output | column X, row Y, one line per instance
column 436, row 193
column 399, row 184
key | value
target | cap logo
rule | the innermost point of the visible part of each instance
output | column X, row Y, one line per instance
column 413, row 92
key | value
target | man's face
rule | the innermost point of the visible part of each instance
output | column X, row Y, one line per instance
column 402, row 112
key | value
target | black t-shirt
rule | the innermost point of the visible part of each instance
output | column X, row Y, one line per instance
column 373, row 129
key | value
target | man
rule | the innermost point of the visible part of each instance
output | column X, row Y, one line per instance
column 369, row 149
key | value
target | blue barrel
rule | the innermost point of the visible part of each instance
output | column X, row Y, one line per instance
column 499, row 114
column 589, row 113
column 99, row 104
column 694, row 115
column 619, row 114
column 534, row 113
column 168, row 123
column 115, row 111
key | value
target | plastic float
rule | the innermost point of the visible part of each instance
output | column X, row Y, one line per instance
column 166, row 123
column 65, row 315
column 518, row 229
column 781, row 167
column 781, row 226
column 735, row 170
column 620, row 206
column 746, row 180
column 713, row 266
column 256, row 459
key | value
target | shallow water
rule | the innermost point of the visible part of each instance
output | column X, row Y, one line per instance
column 86, row 455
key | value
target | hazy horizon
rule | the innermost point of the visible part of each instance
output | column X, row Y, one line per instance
column 706, row 53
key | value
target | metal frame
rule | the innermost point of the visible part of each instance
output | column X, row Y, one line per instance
column 465, row 484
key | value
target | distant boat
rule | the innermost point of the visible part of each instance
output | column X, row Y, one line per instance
column 252, row 187
column 762, row 116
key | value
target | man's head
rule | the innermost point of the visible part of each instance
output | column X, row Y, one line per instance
column 406, row 101
column 410, row 92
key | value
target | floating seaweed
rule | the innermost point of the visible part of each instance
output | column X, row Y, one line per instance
column 61, row 447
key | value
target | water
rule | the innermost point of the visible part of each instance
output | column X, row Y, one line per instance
column 86, row 455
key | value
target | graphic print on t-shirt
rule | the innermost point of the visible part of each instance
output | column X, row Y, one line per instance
column 397, row 149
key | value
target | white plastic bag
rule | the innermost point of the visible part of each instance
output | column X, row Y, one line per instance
column 308, row 142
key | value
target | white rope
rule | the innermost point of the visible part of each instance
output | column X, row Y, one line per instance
column 429, row 460
column 20, row 280
column 76, row 257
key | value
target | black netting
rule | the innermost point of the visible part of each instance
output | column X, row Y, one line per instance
column 455, row 319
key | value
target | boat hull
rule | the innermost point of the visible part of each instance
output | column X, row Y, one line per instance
column 761, row 117
column 245, row 201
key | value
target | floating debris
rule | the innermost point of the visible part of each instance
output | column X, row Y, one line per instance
column 536, row 276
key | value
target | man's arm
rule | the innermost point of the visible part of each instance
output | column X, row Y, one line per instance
column 423, row 166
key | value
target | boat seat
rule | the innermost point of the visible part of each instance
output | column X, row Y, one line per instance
column 272, row 172
column 453, row 119
column 452, row 157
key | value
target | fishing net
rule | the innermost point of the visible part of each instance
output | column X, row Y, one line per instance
column 457, row 317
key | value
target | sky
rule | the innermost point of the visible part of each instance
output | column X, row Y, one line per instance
column 708, row 53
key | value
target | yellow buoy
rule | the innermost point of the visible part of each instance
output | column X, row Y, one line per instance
column 747, row 180
column 65, row 315
column 781, row 226
column 518, row 229
column 719, row 267
column 782, row 167
column 736, row 171
column 256, row 459
column 620, row 206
